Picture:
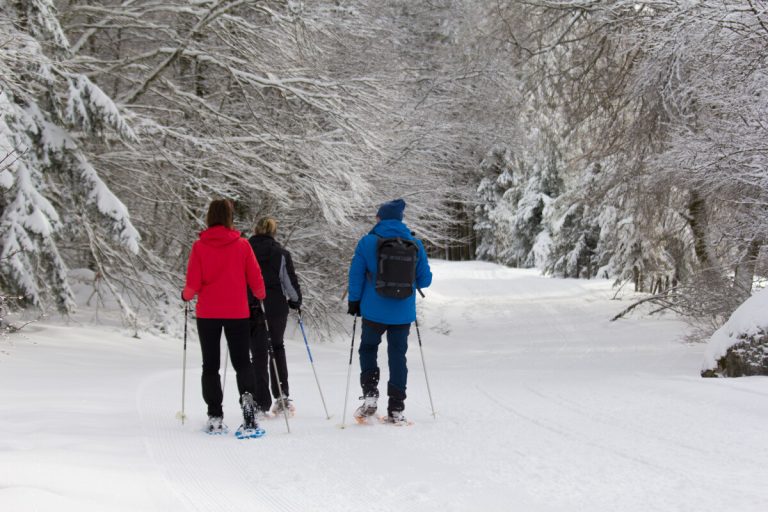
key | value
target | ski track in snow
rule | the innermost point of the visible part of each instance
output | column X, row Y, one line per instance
column 616, row 422
column 221, row 472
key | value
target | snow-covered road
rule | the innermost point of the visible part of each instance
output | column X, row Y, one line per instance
column 543, row 405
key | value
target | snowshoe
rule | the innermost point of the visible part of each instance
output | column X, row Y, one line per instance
column 215, row 426
column 282, row 404
column 252, row 432
column 396, row 418
column 250, row 427
column 366, row 410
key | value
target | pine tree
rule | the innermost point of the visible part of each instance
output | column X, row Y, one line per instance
column 496, row 169
column 529, row 236
column 49, row 191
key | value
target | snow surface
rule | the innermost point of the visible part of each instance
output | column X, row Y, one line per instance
column 543, row 405
column 749, row 319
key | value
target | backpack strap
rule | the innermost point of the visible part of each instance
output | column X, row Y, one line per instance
column 368, row 274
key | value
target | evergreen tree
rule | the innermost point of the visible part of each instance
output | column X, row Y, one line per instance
column 530, row 203
column 50, row 193
column 514, row 199
column 496, row 169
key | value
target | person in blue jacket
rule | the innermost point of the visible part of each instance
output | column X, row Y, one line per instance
column 384, row 314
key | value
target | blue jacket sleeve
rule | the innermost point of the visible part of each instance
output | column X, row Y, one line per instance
column 423, row 273
column 357, row 271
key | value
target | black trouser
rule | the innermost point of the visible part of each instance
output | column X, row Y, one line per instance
column 262, row 366
column 236, row 332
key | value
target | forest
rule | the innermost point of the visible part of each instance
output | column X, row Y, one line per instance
column 586, row 138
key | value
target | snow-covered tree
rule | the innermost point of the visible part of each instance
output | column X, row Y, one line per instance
column 50, row 191
column 497, row 170
column 668, row 96
column 596, row 231
column 313, row 112
column 529, row 236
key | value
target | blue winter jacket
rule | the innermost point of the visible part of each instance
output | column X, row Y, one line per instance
column 362, row 273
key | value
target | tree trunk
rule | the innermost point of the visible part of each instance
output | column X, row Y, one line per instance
column 745, row 270
column 698, row 222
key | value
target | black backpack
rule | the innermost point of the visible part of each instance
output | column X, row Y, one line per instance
column 396, row 267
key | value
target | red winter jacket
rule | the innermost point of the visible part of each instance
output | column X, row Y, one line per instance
column 220, row 265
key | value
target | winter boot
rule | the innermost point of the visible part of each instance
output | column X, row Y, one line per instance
column 215, row 426
column 396, row 399
column 369, row 381
column 367, row 409
column 396, row 418
column 283, row 404
column 250, row 427
column 249, row 410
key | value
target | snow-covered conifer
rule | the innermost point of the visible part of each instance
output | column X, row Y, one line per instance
column 496, row 169
column 49, row 188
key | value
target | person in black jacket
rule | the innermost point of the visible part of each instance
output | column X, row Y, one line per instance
column 283, row 292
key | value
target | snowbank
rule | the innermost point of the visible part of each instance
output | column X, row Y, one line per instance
column 749, row 320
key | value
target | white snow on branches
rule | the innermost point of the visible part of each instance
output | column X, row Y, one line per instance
column 109, row 205
column 91, row 109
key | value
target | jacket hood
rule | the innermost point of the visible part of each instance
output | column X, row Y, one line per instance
column 262, row 239
column 219, row 236
column 263, row 242
column 392, row 228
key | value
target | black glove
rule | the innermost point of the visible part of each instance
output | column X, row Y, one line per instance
column 354, row 308
column 294, row 304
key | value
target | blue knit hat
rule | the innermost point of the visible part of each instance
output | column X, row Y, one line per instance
column 391, row 210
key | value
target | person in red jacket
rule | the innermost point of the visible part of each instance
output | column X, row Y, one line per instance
column 221, row 266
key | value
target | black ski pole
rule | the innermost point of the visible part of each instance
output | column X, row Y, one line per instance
column 312, row 362
column 423, row 362
column 349, row 374
column 180, row 415
column 274, row 366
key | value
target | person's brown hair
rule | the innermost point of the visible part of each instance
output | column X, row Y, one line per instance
column 220, row 213
column 265, row 226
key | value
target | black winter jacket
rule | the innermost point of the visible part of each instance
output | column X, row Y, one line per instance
column 279, row 275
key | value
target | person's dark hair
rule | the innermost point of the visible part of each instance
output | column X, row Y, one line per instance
column 220, row 213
